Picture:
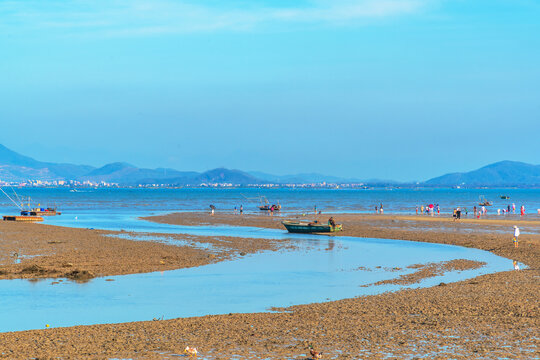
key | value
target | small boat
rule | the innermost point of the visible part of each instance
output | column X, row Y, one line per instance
column 41, row 212
column 505, row 197
column 484, row 202
column 310, row 227
column 265, row 205
column 268, row 207
column 35, row 212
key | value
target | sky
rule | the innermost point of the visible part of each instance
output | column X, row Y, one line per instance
column 389, row 89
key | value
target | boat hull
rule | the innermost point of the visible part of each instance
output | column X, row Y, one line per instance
column 45, row 212
column 303, row 228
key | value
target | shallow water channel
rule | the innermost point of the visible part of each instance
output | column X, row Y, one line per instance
column 322, row 268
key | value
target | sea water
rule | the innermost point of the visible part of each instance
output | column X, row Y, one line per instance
column 321, row 268
column 292, row 200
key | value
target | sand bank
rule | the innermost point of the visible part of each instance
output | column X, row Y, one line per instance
column 486, row 234
column 30, row 250
column 492, row 316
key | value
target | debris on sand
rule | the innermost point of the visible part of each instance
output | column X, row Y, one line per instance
column 35, row 269
column 80, row 275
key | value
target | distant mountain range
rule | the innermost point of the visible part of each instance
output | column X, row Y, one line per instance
column 503, row 173
column 15, row 167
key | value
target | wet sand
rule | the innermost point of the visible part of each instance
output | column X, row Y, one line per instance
column 484, row 234
column 42, row 251
column 491, row 316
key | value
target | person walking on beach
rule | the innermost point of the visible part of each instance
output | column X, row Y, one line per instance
column 474, row 209
column 522, row 210
column 516, row 266
column 422, row 209
column 438, row 210
column 417, row 210
column 241, row 209
column 212, row 209
column 508, row 209
column 235, row 210
column 381, row 209
column 376, row 209
column 513, row 208
column 516, row 236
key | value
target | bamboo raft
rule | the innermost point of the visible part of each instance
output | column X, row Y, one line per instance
column 22, row 218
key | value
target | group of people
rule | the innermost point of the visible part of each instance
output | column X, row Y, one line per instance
column 213, row 210
column 241, row 210
column 379, row 209
column 430, row 209
column 511, row 209
column 479, row 212
column 433, row 209
column 457, row 213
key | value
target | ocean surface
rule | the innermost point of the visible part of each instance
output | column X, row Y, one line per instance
column 149, row 201
column 321, row 268
column 335, row 267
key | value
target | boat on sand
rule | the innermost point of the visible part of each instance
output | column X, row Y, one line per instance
column 310, row 227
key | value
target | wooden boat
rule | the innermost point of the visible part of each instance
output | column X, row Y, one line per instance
column 22, row 218
column 310, row 227
column 484, row 202
column 505, row 197
column 41, row 212
column 268, row 207
column 27, row 215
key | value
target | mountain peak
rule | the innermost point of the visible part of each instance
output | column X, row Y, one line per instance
column 502, row 173
column 10, row 157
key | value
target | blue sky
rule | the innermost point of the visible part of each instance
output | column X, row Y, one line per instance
column 400, row 89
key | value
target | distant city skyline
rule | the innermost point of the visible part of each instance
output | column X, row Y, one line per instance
column 403, row 90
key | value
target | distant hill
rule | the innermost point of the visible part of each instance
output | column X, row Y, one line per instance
column 503, row 173
column 220, row 175
column 16, row 167
column 124, row 173
column 19, row 168
column 300, row 178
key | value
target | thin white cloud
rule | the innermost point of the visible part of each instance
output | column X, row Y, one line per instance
column 144, row 17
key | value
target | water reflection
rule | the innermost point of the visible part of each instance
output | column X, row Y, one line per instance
column 341, row 267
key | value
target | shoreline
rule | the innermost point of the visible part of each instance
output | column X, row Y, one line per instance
column 397, row 227
column 41, row 251
column 489, row 316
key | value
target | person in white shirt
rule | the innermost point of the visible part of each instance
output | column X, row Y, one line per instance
column 516, row 236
